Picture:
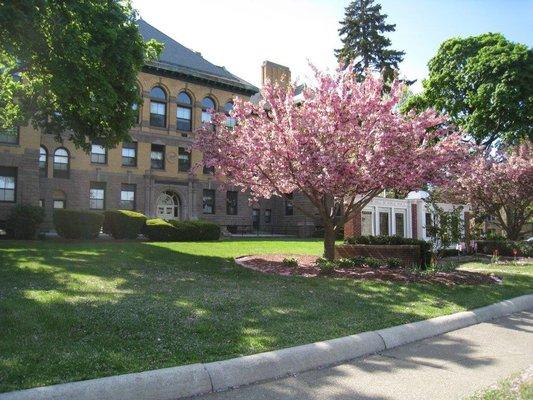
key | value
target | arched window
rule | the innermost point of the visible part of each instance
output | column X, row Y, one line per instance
column 207, row 104
column 158, row 107
column 184, row 112
column 43, row 162
column 228, row 108
column 61, row 163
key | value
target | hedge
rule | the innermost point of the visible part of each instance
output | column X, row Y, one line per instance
column 180, row 231
column 425, row 247
column 123, row 224
column 78, row 224
column 505, row 247
column 196, row 230
column 23, row 221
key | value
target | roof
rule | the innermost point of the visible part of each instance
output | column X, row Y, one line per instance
column 178, row 59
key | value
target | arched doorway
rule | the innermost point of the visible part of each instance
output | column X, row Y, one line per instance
column 168, row 206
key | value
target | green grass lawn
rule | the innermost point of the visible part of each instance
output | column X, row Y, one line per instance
column 73, row 311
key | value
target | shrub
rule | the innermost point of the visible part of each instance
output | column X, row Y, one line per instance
column 393, row 262
column 290, row 262
column 326, row 267
column 345, row 263
column 374, row 262
column 180, row 231
column 449, row 253
column 78, row 224
column 23, row 221
column 190, row 231
column 505, row 247
column 123, row 224
column 159, row 230
column 425, row 247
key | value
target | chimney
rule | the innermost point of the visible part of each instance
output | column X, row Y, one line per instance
column 275, row 73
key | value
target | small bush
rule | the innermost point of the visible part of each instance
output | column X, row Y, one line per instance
column 345, row 263
column 190, row 231
column 159, row 230
column 326, row 267
column 123, row 224
column 180, row 231
column 374, row 262
column 78, row 224
column 23, row 221
column 290, row 262
column 393, row 262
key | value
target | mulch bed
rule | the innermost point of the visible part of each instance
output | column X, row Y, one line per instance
column 273, row 264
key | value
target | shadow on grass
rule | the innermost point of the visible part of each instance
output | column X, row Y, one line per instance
column 73, row 311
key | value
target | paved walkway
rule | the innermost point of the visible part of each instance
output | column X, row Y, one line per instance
column 450, row 366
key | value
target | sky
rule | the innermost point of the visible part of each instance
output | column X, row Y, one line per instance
column 241, row 34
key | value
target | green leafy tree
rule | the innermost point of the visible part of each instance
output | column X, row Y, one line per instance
column 485, row 84
column 71, row 66
column 363, row 41
column 447, row 228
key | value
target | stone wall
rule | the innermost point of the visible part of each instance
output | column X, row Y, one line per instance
column 408, row 254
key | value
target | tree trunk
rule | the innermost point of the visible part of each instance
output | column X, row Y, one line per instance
column 513, row 232
column 329, row 242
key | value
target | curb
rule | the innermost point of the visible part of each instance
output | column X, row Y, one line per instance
column 195, row 379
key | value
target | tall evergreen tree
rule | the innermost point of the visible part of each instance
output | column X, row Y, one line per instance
column 363, row 40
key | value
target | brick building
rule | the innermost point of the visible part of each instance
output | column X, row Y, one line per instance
column 151, row 174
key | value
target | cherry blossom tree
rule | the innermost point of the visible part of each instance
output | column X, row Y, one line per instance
column 500, row 185
column 340, row 146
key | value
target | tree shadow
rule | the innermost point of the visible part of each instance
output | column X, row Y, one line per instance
column 74, row 311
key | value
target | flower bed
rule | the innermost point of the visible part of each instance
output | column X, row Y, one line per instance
column 306, row 267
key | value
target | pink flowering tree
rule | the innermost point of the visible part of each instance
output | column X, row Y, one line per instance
column 500, row 185
column 340, row 146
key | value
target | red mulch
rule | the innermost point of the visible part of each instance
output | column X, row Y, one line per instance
column 273, row 264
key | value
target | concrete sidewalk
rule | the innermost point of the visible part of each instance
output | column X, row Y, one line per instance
column 449, row 366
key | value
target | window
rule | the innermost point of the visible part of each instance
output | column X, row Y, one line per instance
column 184, row 160
column 43, row 162
column 61, row 163
column 41, row 203
column 157, row 156
column 209, row 201
column 127, row 196
column 184, row 112
column 399, row 220
column 268, row 216
column 158, row 107
column 228, row 108
column 10, row 135
column 209, row 170
column 207, row 104
column 384, row 223
column 366, row 223
column 429, row 224
column 231, row 202
column 59, row 199
column 97, row 196
column 8, row 184
column 129, row 154
column 136, row 115
column 289, row 206
column 98, row 154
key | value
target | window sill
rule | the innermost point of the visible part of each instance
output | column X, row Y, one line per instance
column 10, row 144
